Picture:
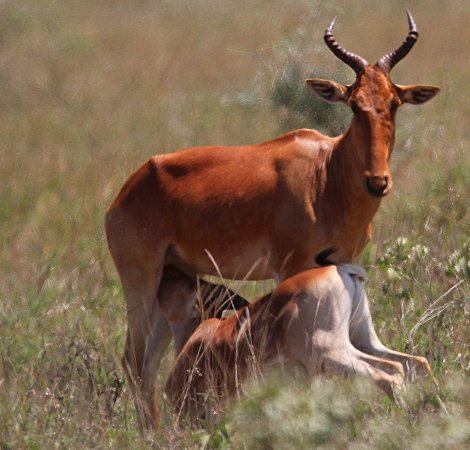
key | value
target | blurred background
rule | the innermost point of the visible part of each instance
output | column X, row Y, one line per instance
column 90, row 89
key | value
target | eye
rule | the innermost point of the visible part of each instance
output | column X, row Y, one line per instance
column 354, row 106
column 394, row 104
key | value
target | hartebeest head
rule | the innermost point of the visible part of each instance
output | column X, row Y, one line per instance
column 374, row 100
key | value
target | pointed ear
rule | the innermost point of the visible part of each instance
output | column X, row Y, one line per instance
column 416, row 93
column 329, row 90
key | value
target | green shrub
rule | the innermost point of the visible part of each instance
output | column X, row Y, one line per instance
column 301, row 108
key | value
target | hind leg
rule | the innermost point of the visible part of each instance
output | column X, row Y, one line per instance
column 364, row 337
column 339, row 357
column 138, row 249
column 347, row 363
column 176, row 316
column 182, row 332
column 144, row 323
column 157, row 345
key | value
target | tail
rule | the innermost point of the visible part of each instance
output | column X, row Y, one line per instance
column 322, row 258
column 354, row 270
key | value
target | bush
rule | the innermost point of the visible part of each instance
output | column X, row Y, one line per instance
column 333, row 414
column 301, row 108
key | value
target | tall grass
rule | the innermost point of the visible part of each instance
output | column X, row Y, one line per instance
column 90, row 89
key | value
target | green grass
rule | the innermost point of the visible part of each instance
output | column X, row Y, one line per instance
column 90, row 89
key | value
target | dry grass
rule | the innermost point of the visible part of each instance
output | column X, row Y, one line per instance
column 90, row 89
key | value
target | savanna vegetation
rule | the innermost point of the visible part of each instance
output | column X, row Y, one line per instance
column 90, row 89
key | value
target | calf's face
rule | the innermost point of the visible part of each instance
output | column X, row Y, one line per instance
column 184, row 301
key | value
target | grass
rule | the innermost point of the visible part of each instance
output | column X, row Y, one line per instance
column 350, row 415
column 89, row 90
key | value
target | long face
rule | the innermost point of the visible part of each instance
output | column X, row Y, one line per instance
column 374, row 100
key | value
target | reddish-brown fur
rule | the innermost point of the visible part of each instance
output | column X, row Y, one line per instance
column 259, row 211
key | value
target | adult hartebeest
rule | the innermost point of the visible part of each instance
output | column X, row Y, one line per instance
column 318, row 319
column 259, row 211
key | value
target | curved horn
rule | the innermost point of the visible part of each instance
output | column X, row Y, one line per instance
column 387, row 62
column 356, row 62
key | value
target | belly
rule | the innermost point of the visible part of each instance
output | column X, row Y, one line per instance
column 251, row 261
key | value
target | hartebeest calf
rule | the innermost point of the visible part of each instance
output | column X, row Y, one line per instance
column 258, row 211
column 318, row 319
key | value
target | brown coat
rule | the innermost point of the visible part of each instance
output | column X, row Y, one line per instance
column 254, row 211
column 318, row 319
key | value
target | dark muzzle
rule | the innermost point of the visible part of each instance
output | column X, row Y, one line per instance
column 378, row 186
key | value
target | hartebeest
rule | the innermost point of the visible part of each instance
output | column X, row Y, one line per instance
column 259, row 211
column 318, row 319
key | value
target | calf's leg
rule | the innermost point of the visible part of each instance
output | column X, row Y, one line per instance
column 343, row 359
column 364, row 338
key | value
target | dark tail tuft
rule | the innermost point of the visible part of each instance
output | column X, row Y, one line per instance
column 322, row 258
